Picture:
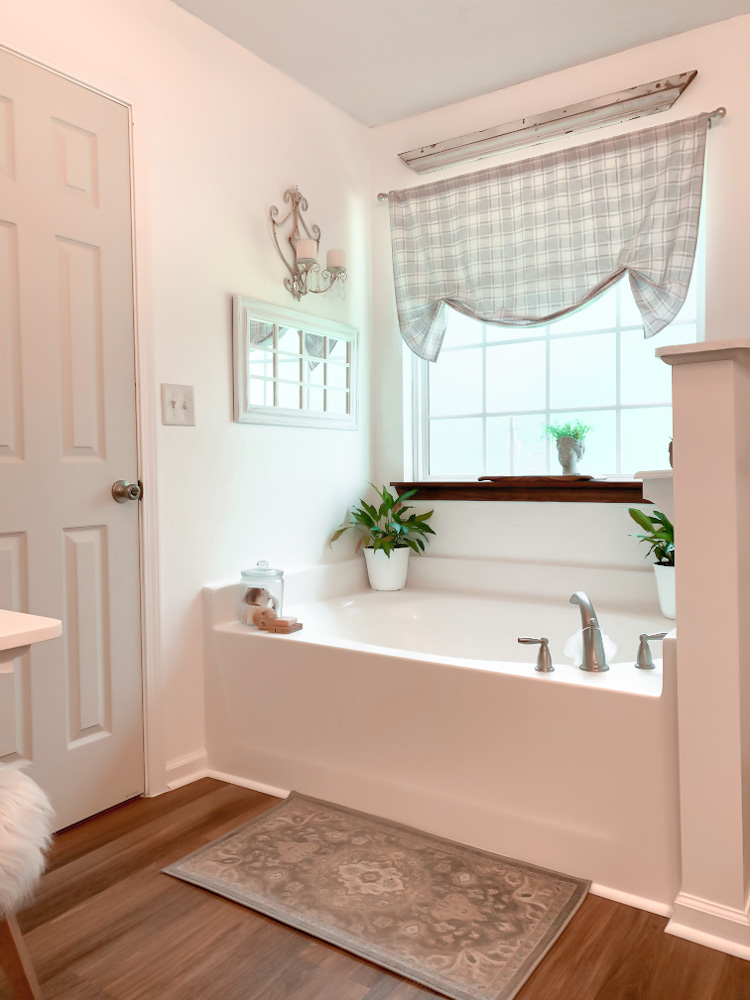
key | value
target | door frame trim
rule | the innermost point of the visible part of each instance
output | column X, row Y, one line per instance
column 124, row 92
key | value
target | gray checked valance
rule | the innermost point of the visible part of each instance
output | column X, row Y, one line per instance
column 525, row 243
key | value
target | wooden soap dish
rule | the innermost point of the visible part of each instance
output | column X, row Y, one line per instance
column 285, row 629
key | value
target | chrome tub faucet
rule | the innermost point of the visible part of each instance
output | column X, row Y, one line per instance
column 594, row 659
column 645, row 660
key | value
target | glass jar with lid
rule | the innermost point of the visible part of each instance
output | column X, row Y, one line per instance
column 262, row 586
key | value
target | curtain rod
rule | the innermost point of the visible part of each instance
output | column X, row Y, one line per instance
column 714, row 116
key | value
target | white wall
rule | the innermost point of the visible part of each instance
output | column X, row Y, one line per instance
column 719, row 53
column 219, row 136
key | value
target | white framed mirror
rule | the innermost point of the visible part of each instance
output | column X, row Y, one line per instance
column 290, row 368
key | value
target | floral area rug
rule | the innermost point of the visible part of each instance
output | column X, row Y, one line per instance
column 466, row 923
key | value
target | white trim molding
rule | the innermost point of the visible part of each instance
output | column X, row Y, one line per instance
column 186, row 769
column 711, row 924
column 256, row 786
column 628, row 899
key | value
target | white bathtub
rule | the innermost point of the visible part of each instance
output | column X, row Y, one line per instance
column 420, row 706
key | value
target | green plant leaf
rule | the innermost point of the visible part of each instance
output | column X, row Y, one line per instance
column 424, row 517
column 405, row 496
column 577, row 430
column 663, row 519
column 389, row 525
column 659, row 534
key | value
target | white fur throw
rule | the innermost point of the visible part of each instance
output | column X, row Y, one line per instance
column 25, row 828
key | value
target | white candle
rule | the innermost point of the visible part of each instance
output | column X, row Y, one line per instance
column 306, row 250
column 335, row 258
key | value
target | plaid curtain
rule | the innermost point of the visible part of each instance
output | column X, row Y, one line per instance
column 525, row 243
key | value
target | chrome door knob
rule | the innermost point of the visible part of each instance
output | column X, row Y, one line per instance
column 123, row 491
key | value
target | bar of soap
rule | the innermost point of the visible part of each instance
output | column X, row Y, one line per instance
column 286, row 620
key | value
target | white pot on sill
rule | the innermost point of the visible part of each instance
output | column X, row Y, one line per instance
column 387, row 573
column 665, row 585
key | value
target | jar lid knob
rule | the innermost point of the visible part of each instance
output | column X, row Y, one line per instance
column 263, row 563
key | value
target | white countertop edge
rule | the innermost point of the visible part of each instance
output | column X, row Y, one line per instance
column 19, row 629
column 655, row 474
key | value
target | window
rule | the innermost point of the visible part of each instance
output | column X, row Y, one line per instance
column 292, row 369
column 482, row 408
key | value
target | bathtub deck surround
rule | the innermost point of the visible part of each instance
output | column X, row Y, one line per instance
column 600, row 768
column 467, row 923
column 388, row 536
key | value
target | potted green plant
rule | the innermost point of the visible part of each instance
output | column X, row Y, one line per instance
column 570, row 444
column 658, row 533
column 388, row 536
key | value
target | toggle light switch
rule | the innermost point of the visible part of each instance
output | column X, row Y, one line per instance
column 177, row 406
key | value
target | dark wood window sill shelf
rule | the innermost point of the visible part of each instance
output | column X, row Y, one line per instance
column 540, row 489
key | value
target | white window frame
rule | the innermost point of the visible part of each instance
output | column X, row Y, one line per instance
column 246, row 309
column 420, row 419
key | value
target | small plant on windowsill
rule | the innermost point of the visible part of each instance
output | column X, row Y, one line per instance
column 659, row 536
column 388, row 536
column 570, row 444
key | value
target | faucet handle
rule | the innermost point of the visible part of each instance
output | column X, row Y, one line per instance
column 543, row 660
column 645, row 660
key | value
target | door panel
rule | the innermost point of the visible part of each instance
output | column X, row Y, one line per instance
column 70, row 713
column 11, row 433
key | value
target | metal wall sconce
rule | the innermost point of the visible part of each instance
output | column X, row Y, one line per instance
column 305, row 251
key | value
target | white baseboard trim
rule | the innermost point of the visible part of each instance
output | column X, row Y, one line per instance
column 256, row 786
column 723, row 928
column 182, row 770
column 708, row 940
column 639, row 902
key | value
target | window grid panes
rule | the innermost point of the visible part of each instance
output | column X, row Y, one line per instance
column 493, row 390
column 295, row 370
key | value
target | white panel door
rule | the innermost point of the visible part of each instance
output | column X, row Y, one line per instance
column 71, row 709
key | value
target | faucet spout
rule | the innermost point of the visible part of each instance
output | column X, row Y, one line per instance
column 594, row 659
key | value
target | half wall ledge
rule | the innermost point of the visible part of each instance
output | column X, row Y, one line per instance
column 737, row 349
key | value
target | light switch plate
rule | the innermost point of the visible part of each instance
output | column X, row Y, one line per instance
column 177, row 406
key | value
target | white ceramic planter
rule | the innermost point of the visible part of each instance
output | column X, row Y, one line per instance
column 665, row 586
column 570, row 451
column 387, row 573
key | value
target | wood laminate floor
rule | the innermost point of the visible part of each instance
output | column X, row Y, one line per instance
column 106, row 925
